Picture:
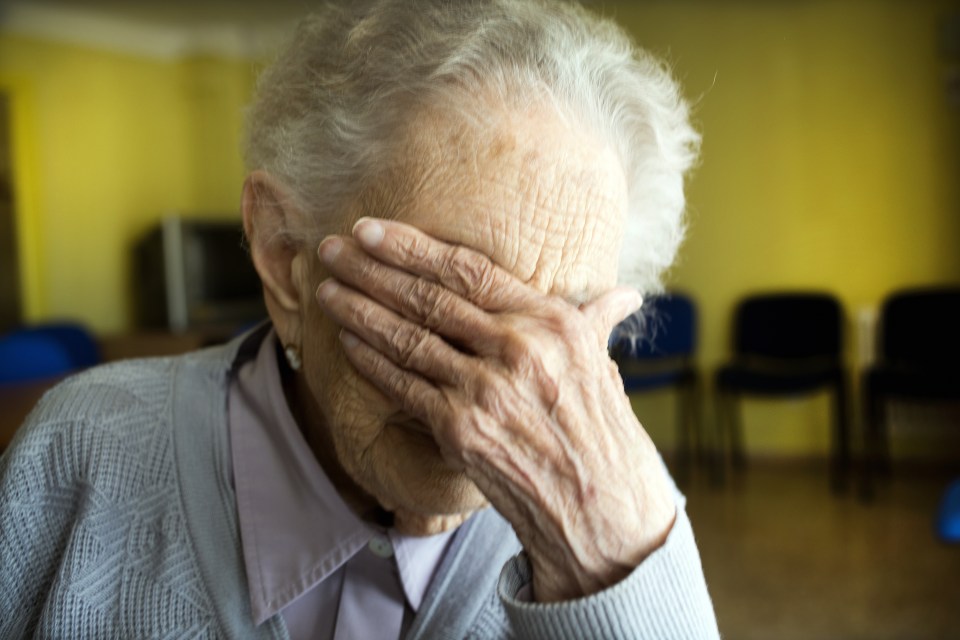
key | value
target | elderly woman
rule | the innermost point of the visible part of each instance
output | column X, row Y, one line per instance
column 429, row 439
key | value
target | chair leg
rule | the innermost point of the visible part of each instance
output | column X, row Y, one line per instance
column 696, row 418
column 881, row 436
column 719, row 439
column 885, row 463
column 840, row 456
column 873, row 437
column 736, row 431
column 729, row 428
column 684, row 410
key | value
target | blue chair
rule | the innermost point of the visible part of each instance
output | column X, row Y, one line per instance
column 786, row 344
column 81, row 346
column 948, row 518
column 45, row 351
column 26, row 358
column 654, row 349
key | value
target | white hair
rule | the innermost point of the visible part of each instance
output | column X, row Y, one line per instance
column 334, row 101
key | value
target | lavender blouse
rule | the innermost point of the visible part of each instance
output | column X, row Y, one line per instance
column 307, row 556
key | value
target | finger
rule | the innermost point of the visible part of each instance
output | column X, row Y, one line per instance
column 424, row 302
column 465, row 271
column 408, row 345
column 415, row 395
column 610, row 309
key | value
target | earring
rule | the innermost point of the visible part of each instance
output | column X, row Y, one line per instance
column 293, row 357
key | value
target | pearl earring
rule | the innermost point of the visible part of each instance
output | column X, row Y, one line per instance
column 293, row 357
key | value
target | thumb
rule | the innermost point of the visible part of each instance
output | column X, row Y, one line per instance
column 610, row 309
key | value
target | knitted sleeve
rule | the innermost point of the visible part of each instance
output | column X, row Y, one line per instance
column 92, row 542
column 665, row 597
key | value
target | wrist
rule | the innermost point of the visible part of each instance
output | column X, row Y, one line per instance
column 601, row 565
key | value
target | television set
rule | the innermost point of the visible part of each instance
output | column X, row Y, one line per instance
column 195, row 274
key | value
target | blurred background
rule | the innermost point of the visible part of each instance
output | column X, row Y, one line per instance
column 830, row 164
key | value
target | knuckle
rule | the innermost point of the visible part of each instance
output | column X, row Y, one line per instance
column 384, row 376
column 568, row 325
column 566, row 322
column 397, row 382
column 516, row 350
column 368, row 270
column 360, row 315
column 439, row 309
column 409, row 342
column 539, row 361
column 467, row 272
column 493, row 396
column 460, row 436
column 403, row 390
column 410, row 296
column 484, row 382
column 414, row 250
column 424, row 301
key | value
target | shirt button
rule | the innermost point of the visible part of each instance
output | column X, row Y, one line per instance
column 381, row 547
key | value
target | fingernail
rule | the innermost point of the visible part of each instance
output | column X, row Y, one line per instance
column 349, row 340
column 329, row 248
column 326, row 289
column 368, row 231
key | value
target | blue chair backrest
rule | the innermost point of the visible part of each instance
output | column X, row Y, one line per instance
column 79, row 344
column 46, row 350
column 25, row 357
column 665, row 327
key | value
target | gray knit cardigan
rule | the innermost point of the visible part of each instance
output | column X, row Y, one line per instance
column 118, row 520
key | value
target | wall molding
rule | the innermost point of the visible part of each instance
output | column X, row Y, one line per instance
column 85, row 27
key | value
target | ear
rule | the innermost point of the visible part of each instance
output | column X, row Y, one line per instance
column 268, row 213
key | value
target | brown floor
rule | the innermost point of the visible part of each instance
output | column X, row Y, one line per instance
column 784, row 558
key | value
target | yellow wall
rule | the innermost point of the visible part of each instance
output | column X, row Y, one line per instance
column 104, row 145
column 831, row 160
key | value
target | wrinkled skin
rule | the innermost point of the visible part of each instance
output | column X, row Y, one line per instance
column 460, row 358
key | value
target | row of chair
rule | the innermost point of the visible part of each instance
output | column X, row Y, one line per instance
column 783, row 344
column 792, row 343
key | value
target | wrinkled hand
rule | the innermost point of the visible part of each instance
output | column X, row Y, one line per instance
column 519, row 391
